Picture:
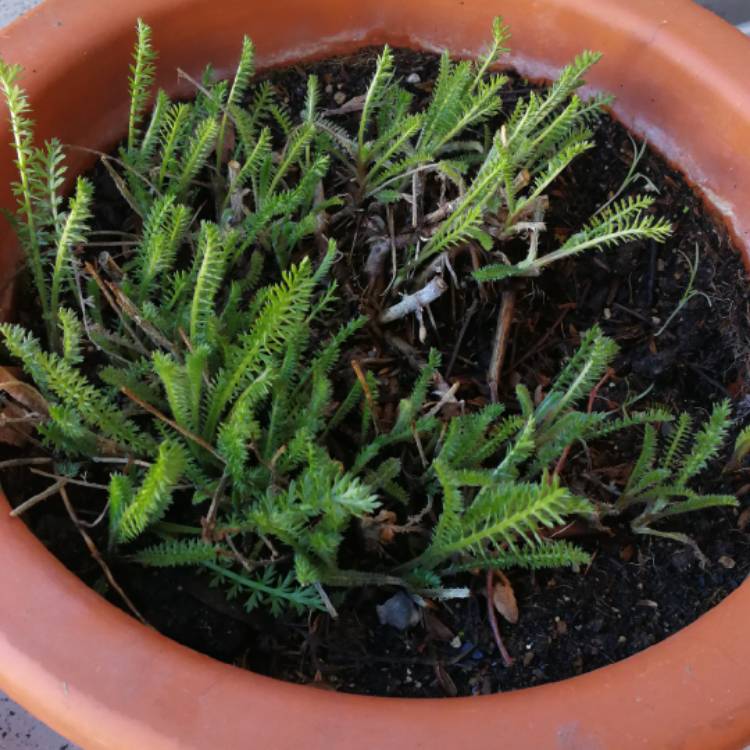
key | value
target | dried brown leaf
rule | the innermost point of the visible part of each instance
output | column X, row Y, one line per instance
column 379, row 529
column 445, row 680
column 504, row 598
column 436, row 628
column 21, row 411
column 14, row 428
column 25, row 394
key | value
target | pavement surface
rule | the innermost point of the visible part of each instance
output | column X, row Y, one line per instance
column 18, row 729
column 9, row 9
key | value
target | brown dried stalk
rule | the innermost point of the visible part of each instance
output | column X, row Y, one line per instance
column 502, row 336
column 94, row 551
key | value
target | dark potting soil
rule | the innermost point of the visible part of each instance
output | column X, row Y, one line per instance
column 637, row 590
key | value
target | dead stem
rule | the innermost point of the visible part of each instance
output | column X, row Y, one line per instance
column 589, row 407
column 414, row 303
column 164, row 418
column 390, row 223
column 104, row 287
column 122, row 186
column 93, row 524
column 109, row 157
column 327, row 603
column 504, row 320
column 468, row 315
column 69, row 480
column 209, row 522
column 93, row 550
column 129, row 308
column 321, row 221
column 420, row 449
column 116, row 460
column 406, row 349
column 368, row 394
column 448, row 397
column 251, row 567
column 82, row 303
column 53, row 489
column 13, row 463
column 121, row 243
column 506, row 657
column 355, row 104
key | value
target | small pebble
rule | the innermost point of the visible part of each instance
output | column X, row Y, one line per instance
column 727, row 562
column 413, row 78
column 399, row 611
column 622, row 639
column 329, row 88
column 339, row 97
column 456, row 642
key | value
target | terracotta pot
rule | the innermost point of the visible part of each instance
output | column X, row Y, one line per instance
column 106, row 682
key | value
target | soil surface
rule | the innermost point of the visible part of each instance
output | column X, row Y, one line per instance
column 637, row 590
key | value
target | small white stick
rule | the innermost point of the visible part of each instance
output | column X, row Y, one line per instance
column 413, row 303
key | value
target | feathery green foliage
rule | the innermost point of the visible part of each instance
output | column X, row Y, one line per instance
column 45, row 232
column 142, row 72
column 741, row 448
column 662, row 485
column 397, row 153
column 219, row 330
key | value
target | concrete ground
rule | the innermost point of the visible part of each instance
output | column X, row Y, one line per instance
column 18, row 729
column 9, row 9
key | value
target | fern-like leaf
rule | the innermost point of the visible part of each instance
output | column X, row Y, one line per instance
column 151, row 501
column 141, row 79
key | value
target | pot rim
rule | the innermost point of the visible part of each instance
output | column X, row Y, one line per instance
column 105, row 681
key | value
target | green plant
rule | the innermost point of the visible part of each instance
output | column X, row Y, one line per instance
column 493, row 186
column 688, row 294
column 44, row 230
column 197, row 376
column 661, row 485
column 741, row 449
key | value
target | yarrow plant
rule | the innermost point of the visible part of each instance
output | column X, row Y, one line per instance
column 195, row 368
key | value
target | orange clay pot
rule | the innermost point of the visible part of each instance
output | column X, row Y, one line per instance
column 107, row 682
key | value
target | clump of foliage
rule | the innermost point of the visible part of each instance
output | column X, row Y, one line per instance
column 196, row 368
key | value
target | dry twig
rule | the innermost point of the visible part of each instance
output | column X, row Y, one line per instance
column 94, row 551
column 502, row 336
column 413, row 303
column 164, row 418
column 53, row 489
